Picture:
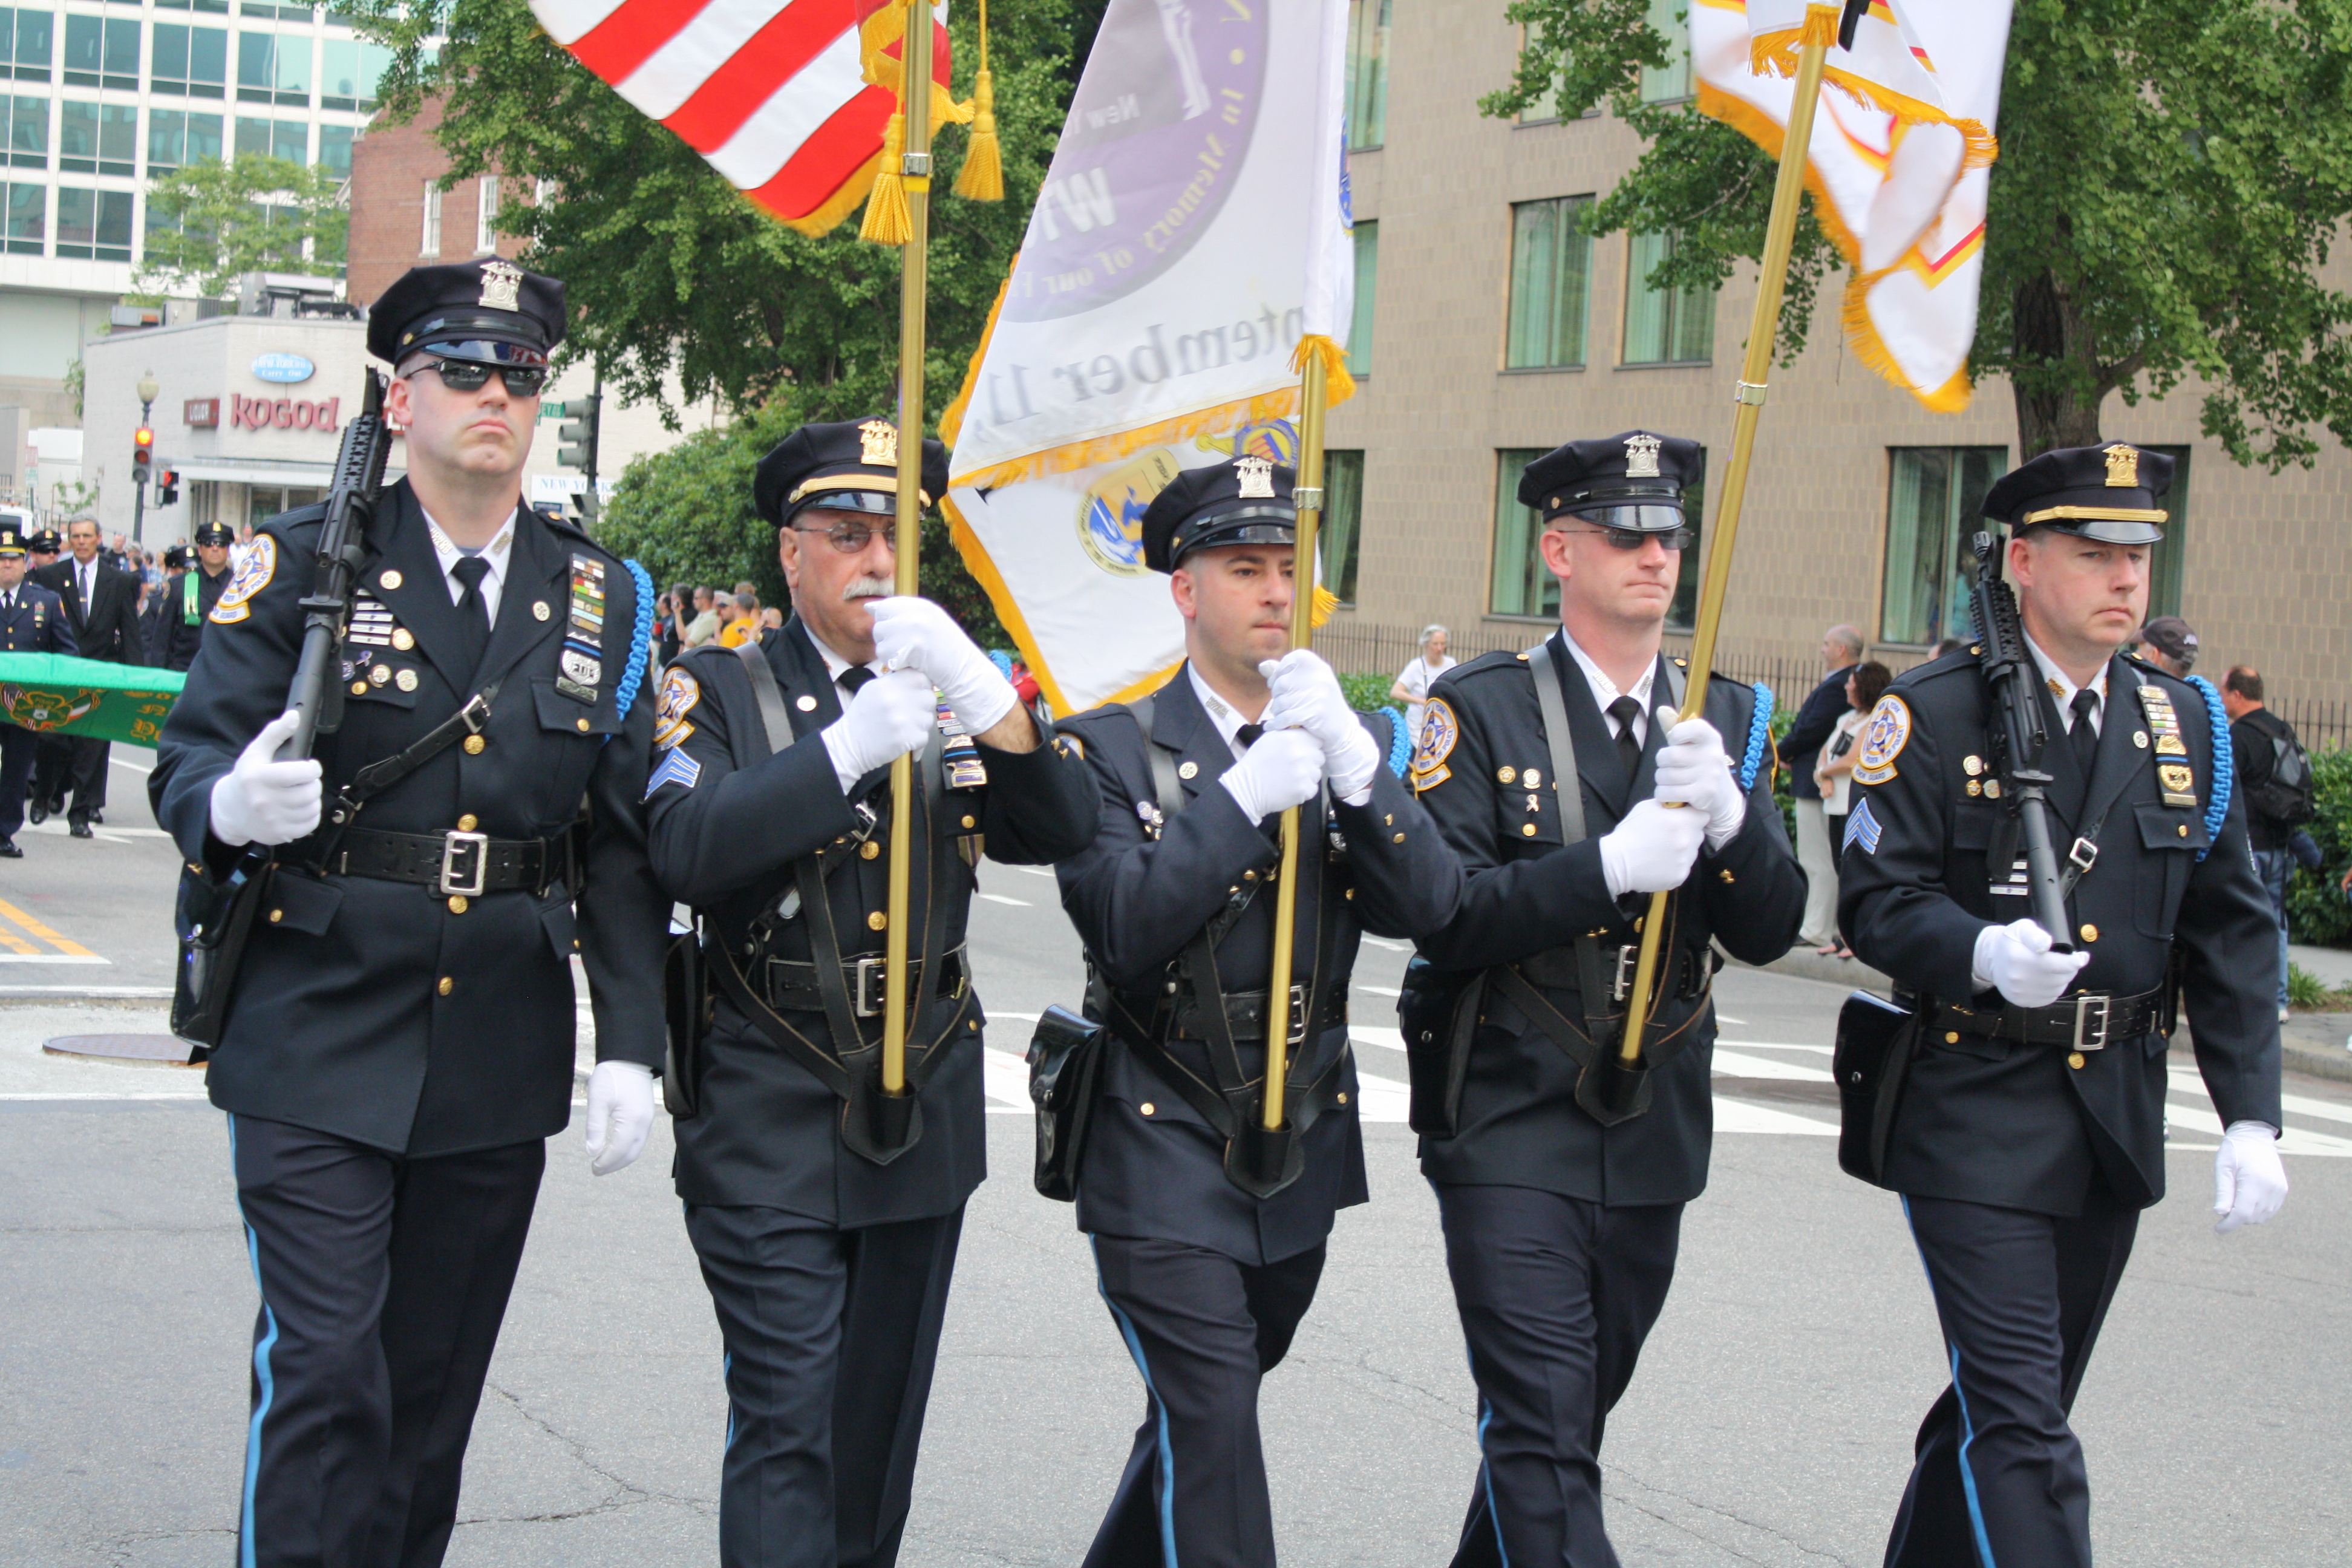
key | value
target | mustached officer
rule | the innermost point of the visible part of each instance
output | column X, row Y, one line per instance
column 32, row 620
column 399, row 1044
column 1208, row 1257
column 2028, row 1132
column 827, row 1233
column 188, row 599
column 1562, row 778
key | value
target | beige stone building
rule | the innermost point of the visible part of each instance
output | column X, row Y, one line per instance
column 1488, row 330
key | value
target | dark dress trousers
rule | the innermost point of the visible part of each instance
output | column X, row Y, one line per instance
column 393, row 1059
column 105, row 627
column 38, row 623
column 828, row 1273
column 1560, row 1233
column 1205, row 1282
column 2023, row 1166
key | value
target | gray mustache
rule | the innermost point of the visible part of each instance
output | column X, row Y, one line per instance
column 869, row 588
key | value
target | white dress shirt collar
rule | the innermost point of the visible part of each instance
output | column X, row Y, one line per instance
column 496, row 553
column 1605, row 691
column 1222, row 713
column 2062, row 689
column 835, row 667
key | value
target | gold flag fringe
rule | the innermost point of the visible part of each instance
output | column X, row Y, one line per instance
column 887, row 219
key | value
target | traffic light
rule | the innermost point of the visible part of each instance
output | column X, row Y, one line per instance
column 579, row 430
column 167, row 485
column 142, row 454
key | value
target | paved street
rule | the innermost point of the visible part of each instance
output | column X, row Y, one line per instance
column 1769, row 1424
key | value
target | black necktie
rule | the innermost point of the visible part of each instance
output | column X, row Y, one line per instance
column 1629, row 745
column 2085, row 740
column 473, row 611
column 853, row 679
column 1247, row 735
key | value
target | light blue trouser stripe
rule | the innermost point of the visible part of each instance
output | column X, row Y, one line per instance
column 262, row 1375
column 1968, row 1426
column 1486, row 1479
column 1166, row 1447
column 726, row 1375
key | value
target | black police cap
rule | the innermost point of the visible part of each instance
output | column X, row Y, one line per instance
column 179, row 558
column 47, row 542
column 12, row 540
column 2108, row 493
column 215, row 535
column 1242, row 501
column 1632, row 481
column 489, row 312
column 852, row 466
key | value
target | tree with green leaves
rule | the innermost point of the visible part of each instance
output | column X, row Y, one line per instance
column 212, row 221
column 2173, row 176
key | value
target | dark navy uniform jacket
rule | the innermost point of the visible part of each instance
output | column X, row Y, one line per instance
column 1137, row 900
column 1996, row 1121
column 177, row 638
column 1519, row 1124
column 39, row 623
column 725, row 840
column 366, row 1008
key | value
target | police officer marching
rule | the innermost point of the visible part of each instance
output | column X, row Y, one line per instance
column 399, row 1044
column 826, row 1226
column 32, row 620
column 1565, row 782
column 2029, row 1130
column 1208, row 1247
column 188, row 601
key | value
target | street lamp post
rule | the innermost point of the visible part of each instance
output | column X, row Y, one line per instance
column 147, row 390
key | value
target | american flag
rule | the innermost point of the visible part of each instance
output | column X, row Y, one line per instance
column 786, row 99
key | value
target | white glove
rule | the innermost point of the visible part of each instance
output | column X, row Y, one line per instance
column 915, row 634
column 1283, row 770
column 1694, row 768
column 2248, row 1182
column 263, row 801
column 1652, row 852
column 623, row 1094
column 1307, row 696
column 2016, row 961
column 892, row 715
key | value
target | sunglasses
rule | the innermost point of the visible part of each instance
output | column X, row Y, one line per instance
column 1627, row 538
column 849, row 536
column 464, row 375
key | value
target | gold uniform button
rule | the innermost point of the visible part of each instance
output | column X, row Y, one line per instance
column 1975, row 788
column 474, row 745
column 877, row 921
column 2184, row 830
column 868, row 850
column 1399, row 838
column 2074, row 1060
column 1952, row 1037
column 583, row 725
column 467, row 823
column 402, row 638
column 446, row 986
column 1726, row 876
column 972, row 822
column 2090, row 931
column 359, row 689
column 1506, row 774
column 277, row 915
column 1343, row 1097
column 1349, row 894
column 1146, row 1108
column 1527, row 828
column 459, row 904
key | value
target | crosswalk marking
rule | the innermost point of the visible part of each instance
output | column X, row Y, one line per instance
column 1001, row 898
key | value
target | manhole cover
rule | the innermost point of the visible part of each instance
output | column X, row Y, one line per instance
column 164, row 1050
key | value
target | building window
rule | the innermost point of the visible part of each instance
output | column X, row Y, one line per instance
column 28, row 208
column 215, row 8
column 25, row 40
column 349, row 72
column 1343, row 521
column 1551, row 270
column 1934, row 502
column 335, row 148
column 486, row 214
column 1360, row 325
column 1368, row 72
column 286, row 139
column 190, row 62
column 1523, row 586
column 1664, row 326
column 177, row 138
column 98, row 139
column 1681, row 616
column 1670, row 21
column 29, row 132
column 101, row 52
column 273, row 69
column 430, row 242
column 94, row 225
column 2165, row 562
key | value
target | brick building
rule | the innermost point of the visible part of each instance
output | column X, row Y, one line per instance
column 400, row 217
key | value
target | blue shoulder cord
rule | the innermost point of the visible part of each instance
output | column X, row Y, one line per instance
column 2225, row 762
column 641, row 644
column 1759, row 737
column 1399, row 741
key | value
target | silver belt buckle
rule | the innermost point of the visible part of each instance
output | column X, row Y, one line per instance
column 1297, row 1031
column 867, row 986
column 455, row 843
column 1629, row 960
column 2083, row 855
column 2084, row 1004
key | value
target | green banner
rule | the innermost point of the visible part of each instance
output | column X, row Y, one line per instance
column 57, row 694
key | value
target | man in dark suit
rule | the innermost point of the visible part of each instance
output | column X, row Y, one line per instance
column 1562, row 778
column 1208, row 1240
column 825, row 1211
column 188, row 600
column 32, row 620
column 2030, row 1131
column 1799, row 749
column 102, row 606
column 399, row 1044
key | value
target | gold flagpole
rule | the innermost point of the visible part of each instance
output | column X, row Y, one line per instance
column 915, row 103
column 1779, row 236
column 1308, row 496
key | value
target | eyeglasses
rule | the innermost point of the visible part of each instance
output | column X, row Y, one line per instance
column 1627, row 538
column 464, row 375
column 849, row 535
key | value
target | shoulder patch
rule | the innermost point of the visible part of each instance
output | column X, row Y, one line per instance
column 1440, row 731
column 1883, row 739
column 1861, row 828
column 252, row 575
column 1069, row 742
column 678, row 768
column 679, row 693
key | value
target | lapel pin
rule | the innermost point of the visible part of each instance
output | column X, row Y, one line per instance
column 807, row 704
column 1188, row 770
column 388, row 580
column 538, row 610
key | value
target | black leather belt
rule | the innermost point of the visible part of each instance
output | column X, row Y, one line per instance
column 1245, row 1016
column 1687, row 972
column 2088, row 1022
column 791, row 985
column 453, row 863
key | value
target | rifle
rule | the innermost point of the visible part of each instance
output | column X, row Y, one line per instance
column 217, row 917
column 2018, row 735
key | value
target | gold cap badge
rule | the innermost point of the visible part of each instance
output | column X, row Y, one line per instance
column 878, row 444
column 1642, row 456
column 1256, row 475
column 501, row 285
column 2123, row 466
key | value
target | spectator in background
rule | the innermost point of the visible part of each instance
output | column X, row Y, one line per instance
column 673, row 623
column 1411, row 688
column 706, row 623
column 1798, row 751
column 2166, row 643
column 2275, row 781
column 744, row 624
column 1834, row 770
column 771, row 619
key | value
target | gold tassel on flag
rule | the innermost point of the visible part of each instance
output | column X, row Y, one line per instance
column 887, row 222
column 982, row 178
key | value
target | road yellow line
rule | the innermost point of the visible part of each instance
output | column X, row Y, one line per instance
column 62, row 943
column 14, row 943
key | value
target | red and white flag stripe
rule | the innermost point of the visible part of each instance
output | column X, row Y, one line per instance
column 776, row 95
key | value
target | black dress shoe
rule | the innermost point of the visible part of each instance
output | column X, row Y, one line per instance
column 40, row 813
column 81, row 831
column 8, row 850
column 98, row 818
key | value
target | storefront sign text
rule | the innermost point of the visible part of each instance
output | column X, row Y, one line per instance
column 285, row 413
